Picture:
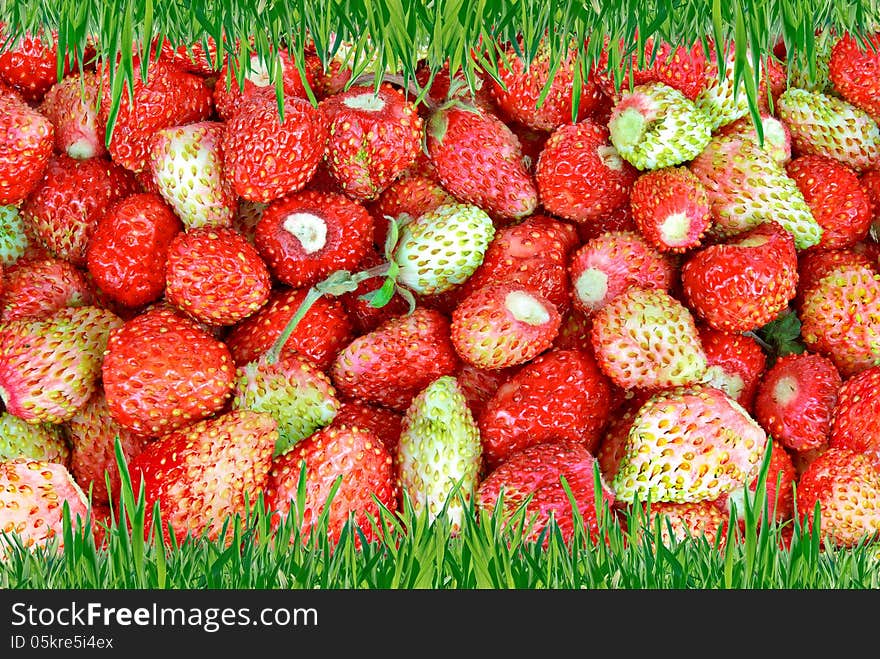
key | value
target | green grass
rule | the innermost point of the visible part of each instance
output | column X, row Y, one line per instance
column 414, row 553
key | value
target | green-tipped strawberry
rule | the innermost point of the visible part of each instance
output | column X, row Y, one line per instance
column 205, row 474
column 13, row 239
column 645, row 338
column 34, row 441
column 50, row 368
column 439, row 456
column 442, row 248
column 657, row 126
column 293, row 391
column 503, row 325
column 829, row 126
column 187, row 166
column 689, row 444
column 747, row 187
column 32, row 498
column 93, row 434
column 479, row 160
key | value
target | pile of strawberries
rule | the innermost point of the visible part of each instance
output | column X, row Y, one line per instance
column 471, row 293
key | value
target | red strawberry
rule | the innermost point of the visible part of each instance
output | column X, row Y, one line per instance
column 374, row 137
column 265, row 159
column 796, row 399
column 50, row 368
column 36, row 289
column 605, row 266
column 560, row 395
column 671, row 208
column 203, row 475
column 479, row 160
column 478, row 385
column 214, row 276
column 353, row 456
column 745, row 283
column 854, row 70
column 322, row 332
column 127, row 253
column 169, row 97
column 735, row 363
column 523, row 98
column 414, row 195
column 30, row 65
column 229, row 96
column 65, row 207
column 503, row 325
column 533, row 476
column 394, row 362
column 26, row 141
column 186, row 163
column 846, row 487
column 307, row 235
column 620, row 219
column 32, row 498
column 161, row 372
column 836, row 199
column 855, row 423
column 92, row 433
column 385, row 424
column 580, row 175
column 72, row 107
column 198, row 57
column 870, row 180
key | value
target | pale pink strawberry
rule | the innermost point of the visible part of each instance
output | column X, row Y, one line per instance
column 72, row 107
column 37, row 288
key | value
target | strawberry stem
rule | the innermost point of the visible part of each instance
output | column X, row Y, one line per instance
column 274, row 353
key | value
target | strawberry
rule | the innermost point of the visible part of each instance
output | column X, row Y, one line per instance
column 50, row 368
column 293, row 391
column 620, row 219
column 205, row 474
column 836, row 199
column 724, row 99
column 30, row 64
column 533, row 477
column 829, row 126
column 265, row 159
column 853, row 70
column 855, row 421
column 162, row 372
column 479, row 160
column 560, row 395
column 682, row 522
column 14, row 241
column 323, row 331
column 214, row 276
column 747, row 187
column 305, row 236
column 814, row 265
column 689, row 444
column 374, row 135
column 32, row 498
column 442, row 248
column 478, row 385
column 385, row 424
column 735, row 363
column 503, row 325
column 187, row 166
column 870, row 181
column 364, row 316
column 26, row 141
column 198, row 57
column 72, row 106
column 169, row 96
column 743, row 284
column 778, row 488
column 580, row 175
column 413, row 194
column 612, row 445
column 37, row 289
column 846, row 487
column 93, row 433
column 796, row 399
column 33, row 441
column 229, row 96
column 656, row 126
column 645, row 338
column 127, row 253
column 394, row 362
column 521, row 96
column 352, row 456
column 439, row 455
column 68, row 203
column 840, row 317
column 671, row 208
column 798, row 69
column 776, row 135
